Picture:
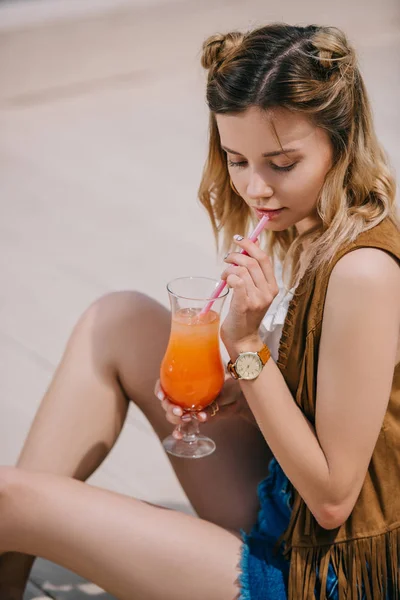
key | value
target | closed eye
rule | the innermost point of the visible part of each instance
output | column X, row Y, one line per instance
column 242, row 164
column 287, row 168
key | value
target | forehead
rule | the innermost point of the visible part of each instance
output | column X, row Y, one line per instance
column 258, row 131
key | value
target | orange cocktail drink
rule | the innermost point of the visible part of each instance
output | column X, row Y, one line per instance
column 192, row 373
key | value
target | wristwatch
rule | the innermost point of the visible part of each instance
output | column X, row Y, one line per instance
column 249, row 365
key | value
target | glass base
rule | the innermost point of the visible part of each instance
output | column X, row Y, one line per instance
column 200, row 447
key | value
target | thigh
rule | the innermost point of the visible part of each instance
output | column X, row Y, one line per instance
column 222, row 488
column 129, row 548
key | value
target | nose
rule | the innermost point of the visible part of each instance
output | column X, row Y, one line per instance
column 258, row 187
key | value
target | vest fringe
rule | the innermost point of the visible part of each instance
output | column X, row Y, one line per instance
column 369, row 566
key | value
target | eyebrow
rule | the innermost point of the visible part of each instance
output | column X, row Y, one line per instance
column 266, row 154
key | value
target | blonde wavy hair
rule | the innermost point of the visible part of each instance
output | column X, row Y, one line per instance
column 312, row 70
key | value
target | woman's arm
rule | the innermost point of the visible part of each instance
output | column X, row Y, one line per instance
column 360, row 330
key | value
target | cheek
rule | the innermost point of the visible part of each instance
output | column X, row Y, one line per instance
column 305, row 184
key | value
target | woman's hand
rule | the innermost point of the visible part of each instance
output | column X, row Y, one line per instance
column 230, row 401
column 254, row 289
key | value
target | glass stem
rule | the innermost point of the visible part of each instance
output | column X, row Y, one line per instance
column 189, row 430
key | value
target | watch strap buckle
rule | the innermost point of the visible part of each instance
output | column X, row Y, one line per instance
column 232, row 370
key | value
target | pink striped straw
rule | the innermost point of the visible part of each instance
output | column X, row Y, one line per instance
column 253, row 237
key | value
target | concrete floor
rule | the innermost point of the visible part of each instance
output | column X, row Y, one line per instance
column 103, row 137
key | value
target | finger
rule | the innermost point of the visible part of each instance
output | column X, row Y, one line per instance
column 210, row 413
column 240, row 298
column 171, row 418
column 243, row 274
column 262, row 258
column 175, row 412
column 178, row 414
column 169, row 407
column 253, row 267
column 158, row 391
column 165, row 404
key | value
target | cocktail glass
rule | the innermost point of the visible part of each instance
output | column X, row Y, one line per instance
column 192, row 372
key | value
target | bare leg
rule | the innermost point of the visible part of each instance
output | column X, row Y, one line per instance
column 115, row 354
column 138, row 551
column 84, row 385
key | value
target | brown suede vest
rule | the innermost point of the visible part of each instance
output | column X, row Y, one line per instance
column 371, row 535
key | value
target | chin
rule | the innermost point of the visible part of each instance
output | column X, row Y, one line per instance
column 277, row 226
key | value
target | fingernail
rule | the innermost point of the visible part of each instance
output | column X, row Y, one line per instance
column 226, row 255
column 160, row 395
column 202, row 415
column 177, row 411
column 238, row 238
column 186, row 418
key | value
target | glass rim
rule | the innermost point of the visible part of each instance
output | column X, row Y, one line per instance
column 224, row 292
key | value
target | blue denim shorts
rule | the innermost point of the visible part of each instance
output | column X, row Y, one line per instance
column 264, row 571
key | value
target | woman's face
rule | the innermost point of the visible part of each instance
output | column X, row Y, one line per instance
column 268, row 178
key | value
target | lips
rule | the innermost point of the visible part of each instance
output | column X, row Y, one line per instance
column 270, row 212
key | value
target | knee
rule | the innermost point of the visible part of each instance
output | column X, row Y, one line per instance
column 125, row 313
column 120, row 307
column 109, row 314
column 117, row 323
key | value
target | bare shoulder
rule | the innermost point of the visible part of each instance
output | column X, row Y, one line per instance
column 364, row 284
column 368, row 268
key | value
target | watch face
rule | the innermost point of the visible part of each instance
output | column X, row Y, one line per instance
column 248, row 365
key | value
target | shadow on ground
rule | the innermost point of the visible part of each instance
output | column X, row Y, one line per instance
column 51, row 581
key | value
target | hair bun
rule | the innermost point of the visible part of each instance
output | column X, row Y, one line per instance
column 218, row 47
column 333, row 49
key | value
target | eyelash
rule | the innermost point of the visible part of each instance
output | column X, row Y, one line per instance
column 242, row 164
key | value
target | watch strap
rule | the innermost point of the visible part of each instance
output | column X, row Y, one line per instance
column 264, row 354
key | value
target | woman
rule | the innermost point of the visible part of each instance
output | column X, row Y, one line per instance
column 291, row 132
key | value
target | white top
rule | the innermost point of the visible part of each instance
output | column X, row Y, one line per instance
column 272, row 324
